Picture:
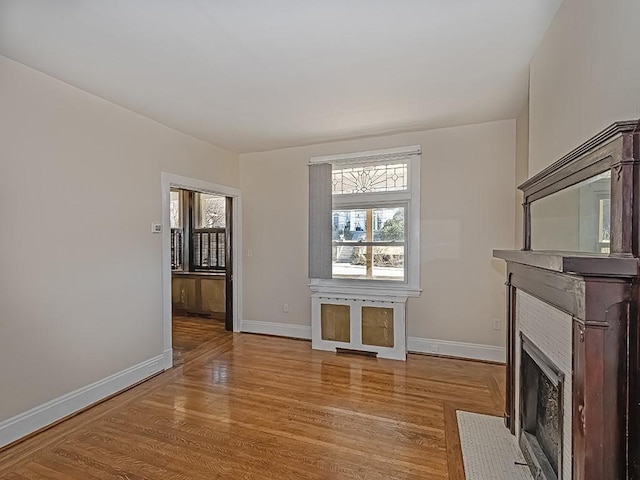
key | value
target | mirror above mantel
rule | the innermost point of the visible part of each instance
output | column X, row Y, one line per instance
column 586, row 201
column 576, row 219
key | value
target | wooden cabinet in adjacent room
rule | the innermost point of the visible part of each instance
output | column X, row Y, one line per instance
column 183, row 293
column 200, row 293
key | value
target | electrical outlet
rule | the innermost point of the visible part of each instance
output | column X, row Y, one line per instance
column 497, row 324
column 156, row 228
column 435, row 348
column 285, row 307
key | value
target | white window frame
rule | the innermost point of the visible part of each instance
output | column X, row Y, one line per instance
column 410, row 198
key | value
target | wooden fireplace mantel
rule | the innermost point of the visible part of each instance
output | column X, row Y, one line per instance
column 585, row 264
column 601, row 294
column 603, row 312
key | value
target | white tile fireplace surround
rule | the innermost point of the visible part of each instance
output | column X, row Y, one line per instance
column 550, row 330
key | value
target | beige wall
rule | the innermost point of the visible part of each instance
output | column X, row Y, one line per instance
column 584, row 76
column 467, row 210
column 522, row 168
column 80, row 288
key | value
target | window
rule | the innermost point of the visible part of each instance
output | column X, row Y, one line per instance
column 374, row 217
column 377, row 177
column 209, row 235
column 201, row 219
column 369, row 243
column 210, row 211
column 175, row 212
column 175, row 207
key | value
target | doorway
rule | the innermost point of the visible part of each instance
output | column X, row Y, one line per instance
column 201, row 273
column 200, row 264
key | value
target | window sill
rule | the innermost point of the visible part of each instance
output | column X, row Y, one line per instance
column 372, row 289
column 200, row 273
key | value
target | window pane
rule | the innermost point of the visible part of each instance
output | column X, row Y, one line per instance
column 388, row 224
column 349, row 225
column 210, row 211
column 382, row 177
column 351, row 262
column 176, row 249
column 388, row 263
column 175, row 217
column 355, row 253
column 174, row 209
column 352, row 225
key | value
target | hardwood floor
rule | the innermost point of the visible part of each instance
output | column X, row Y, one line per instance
column 244, row 406
column 189, row 332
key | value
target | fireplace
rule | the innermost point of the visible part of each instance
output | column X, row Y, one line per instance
column 541, row 410
column 578, row 300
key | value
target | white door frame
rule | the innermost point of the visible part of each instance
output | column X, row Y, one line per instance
column 169, row 181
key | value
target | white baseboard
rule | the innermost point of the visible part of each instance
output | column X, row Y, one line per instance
column 168, row 358
column 474, row 351
column 456, row 349
column 278, row 329
column 39, row 417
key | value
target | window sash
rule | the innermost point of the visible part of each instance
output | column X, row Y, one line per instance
column 370, row 245
column 370, row 177
column 200, row 206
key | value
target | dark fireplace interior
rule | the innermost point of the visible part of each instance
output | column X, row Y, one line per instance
column 540, row 412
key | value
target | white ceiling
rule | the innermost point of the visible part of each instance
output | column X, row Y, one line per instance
column 252, row 75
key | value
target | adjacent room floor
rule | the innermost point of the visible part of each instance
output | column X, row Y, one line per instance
column 241, row 406
column 189, row 332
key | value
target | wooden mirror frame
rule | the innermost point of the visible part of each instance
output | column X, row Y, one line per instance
column 616, row 148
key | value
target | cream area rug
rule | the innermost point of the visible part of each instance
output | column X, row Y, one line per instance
column 489, row 451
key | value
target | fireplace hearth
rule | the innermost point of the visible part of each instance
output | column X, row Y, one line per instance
column 541, row 393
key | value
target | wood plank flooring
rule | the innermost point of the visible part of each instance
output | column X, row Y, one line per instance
column 241, row 406
column 190, row 332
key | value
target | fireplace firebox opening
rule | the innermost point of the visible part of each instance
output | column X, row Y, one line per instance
column 541, row 385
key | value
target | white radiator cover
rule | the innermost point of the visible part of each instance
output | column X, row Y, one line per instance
column 356, row 302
